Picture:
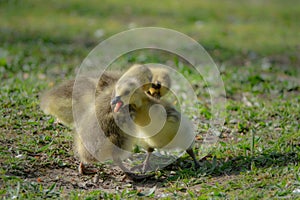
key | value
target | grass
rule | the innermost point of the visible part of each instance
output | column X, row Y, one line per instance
column 256, row 46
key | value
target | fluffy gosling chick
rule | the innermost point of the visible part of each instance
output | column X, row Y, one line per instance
column 60, row 100
column 175, row 133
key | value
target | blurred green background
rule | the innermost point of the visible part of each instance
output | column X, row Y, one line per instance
column 229, row 30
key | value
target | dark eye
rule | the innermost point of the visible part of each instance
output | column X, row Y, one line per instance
column 126, row 92
column 158, row 85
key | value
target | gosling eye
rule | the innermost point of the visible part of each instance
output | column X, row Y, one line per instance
column 158, row 85
column 126, row 92
column 131, row 84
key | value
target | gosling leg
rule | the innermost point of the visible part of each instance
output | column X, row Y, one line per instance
column 129, row 174
column 83, row 170
column 190, row 151
column 146, row 164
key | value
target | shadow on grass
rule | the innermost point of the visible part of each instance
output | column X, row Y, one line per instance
column 214, row 167
column 68, row 178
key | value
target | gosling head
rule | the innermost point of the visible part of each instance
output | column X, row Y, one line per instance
column 161, row 82
column 154, row 90
column 131, row 87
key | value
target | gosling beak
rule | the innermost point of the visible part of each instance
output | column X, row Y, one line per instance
column 152, row 90
column 116, row 101
column 155, row 90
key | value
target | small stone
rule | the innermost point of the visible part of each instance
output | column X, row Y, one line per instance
column 296, row 191
column 96, row 178
column 128, row 185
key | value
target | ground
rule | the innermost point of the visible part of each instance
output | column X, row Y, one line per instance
column 255, row 46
